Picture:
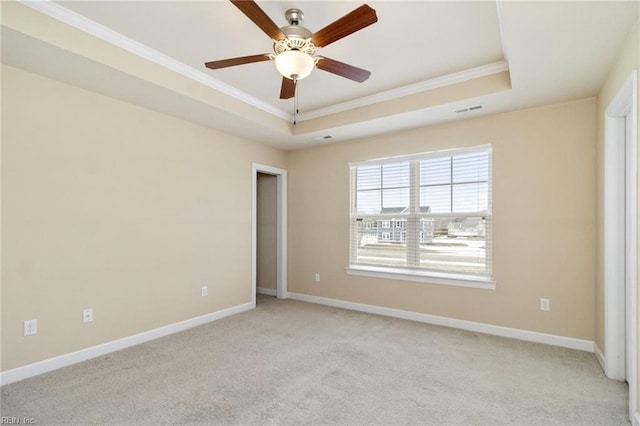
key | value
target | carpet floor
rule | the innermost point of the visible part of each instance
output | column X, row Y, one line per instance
column 289, row 362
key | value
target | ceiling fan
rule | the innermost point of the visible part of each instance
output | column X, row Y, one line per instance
column 295, row 46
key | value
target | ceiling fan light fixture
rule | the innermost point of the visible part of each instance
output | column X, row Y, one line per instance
column 294, row 46
column 294, row 64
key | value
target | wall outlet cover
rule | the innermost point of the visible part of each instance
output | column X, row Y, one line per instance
column 30, row 327
column 545, row 304
column 87, row 315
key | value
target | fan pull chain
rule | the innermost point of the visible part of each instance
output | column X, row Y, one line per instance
column 295, row 101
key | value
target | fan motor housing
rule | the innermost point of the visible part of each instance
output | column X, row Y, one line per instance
column 296, row 31
column 298, row 37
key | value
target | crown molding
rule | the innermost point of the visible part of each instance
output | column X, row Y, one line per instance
column 503, row 42
column 95, row 29
column 423, row 86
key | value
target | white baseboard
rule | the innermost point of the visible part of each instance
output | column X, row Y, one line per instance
column 267, row 291
column 40, row 367
column 514, row 333
column 599, row 355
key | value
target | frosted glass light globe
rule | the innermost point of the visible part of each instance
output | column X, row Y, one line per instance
column 294, row 63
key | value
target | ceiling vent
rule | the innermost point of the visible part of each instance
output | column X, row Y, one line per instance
column 470, row 109
column 323, row 138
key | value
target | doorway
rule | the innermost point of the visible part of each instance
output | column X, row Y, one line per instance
column 269, row 232
column 620, row 238
column 266, row 238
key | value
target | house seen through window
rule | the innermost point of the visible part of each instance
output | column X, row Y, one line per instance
column 425, row 212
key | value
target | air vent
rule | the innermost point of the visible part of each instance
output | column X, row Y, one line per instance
column 469, row 109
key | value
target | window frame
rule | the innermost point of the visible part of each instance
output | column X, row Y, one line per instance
column 413, row 271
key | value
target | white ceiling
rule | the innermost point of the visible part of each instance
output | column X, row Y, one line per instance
column 554, row 51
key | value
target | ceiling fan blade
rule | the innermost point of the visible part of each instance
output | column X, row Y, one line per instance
column 343, row 70
column 288, row 88
column 350, row 23
column 261, row 19
column 214, row 65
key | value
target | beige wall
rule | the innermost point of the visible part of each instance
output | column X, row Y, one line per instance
column 543, row 209
column 267, row 224
column 627, row 61
column 118, row 208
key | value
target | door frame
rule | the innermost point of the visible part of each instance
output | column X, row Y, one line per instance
column 281, row 244
column 620, row 252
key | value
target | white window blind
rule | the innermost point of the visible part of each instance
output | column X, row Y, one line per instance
column 425, row 212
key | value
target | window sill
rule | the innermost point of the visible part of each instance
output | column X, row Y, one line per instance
column 422, row 276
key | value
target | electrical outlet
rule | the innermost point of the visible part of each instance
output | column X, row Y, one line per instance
column 204, row 290
column 30, row 327
column 545, row 305
column 317, row 277
column 87, row 315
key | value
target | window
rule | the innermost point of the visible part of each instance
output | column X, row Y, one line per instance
column 433, row 212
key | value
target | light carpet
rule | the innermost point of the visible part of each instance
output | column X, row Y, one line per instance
column 290, row 362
